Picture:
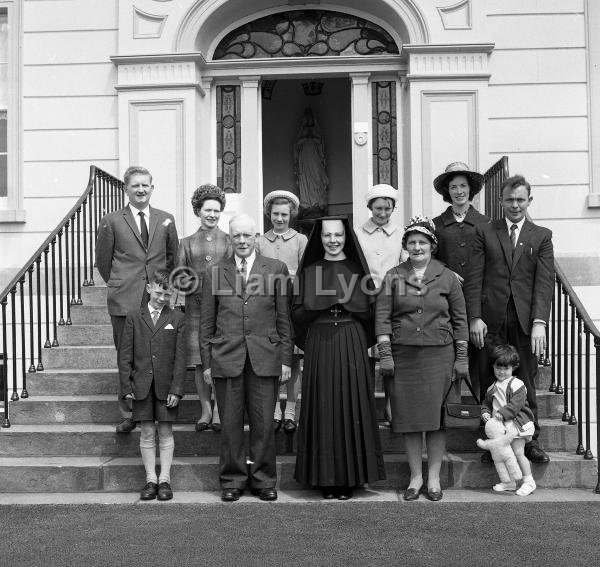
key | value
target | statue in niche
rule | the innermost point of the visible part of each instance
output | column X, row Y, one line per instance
column 310, row 168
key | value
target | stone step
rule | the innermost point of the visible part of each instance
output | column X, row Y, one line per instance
column 107, row 474
column 82, row 382
column 100, row 439
column 85, row 335
column 95, row 294
column 89, row 315
column 81, row 357
column 101, row 407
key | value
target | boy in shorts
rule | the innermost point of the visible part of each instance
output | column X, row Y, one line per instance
column 152, row 368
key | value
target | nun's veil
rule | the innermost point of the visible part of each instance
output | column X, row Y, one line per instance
column 314, row 251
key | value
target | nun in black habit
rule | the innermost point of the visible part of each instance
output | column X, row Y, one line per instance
column 338, row 437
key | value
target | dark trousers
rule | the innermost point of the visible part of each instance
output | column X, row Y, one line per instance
column 118, row 325
column 257, row 395
column 511, row 333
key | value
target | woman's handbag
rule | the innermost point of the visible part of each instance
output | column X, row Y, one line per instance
column 459, row 415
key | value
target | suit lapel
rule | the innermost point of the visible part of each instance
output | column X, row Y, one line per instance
column 502, row 233
column 523, row 238
column 230, row 273
column 128, row 216
column 153, row 224
column 163, row 320
column 146, row 318
column 258, row 268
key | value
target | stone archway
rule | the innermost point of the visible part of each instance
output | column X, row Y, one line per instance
column 208, row 21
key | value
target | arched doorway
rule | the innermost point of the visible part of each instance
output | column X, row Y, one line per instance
column 260, row 74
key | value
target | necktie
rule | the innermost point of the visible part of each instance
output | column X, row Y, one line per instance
column 155, row 315
column 513, row 235
column 143, row 229
column 244, row 270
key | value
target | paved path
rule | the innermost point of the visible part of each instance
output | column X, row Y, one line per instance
column 301, row 497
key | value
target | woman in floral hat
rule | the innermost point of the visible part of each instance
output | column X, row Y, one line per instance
column 422, row 334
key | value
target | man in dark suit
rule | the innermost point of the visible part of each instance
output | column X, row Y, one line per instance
column 132, row 244
column 508, row 289
column 246, row 346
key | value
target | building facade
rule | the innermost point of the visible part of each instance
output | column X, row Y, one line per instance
column 219, row 91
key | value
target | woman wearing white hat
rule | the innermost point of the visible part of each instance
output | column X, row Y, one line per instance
column 381, row 242
column 286, row 244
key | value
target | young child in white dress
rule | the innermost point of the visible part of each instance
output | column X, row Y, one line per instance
column 506, row 401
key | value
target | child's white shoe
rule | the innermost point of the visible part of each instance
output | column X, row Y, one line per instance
column 505, row 486
column 526, row 488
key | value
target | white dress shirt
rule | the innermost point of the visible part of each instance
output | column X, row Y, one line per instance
column 136, row 216
column 152, row 310
column 519, row 224
column 249, row 262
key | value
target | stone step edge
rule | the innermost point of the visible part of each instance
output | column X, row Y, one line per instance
column 91, row 427
column 104, row 461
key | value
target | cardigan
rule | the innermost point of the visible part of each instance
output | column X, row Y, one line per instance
column 516, row 407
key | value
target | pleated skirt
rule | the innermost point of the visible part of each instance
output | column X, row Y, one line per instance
column 338, row 437
column 422, row 376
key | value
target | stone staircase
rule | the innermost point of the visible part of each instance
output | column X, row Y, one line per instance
column 62, row 437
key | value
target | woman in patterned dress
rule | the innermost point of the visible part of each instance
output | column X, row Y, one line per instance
column 196, row 255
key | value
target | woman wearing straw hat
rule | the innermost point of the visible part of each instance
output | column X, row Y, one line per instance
column 196, row 255
column 455, row 227
column 285, row 244
column 381, row 242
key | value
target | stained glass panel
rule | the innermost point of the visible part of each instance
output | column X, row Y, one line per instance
column 228, row 138
column 305, row 33
column 385, row 159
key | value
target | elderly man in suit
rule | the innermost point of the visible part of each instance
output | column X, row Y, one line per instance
column 246, row 347
column 508, row 289
column 132, row 244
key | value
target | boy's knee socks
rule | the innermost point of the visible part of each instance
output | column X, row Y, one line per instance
column 166, row 444
column 148, row 451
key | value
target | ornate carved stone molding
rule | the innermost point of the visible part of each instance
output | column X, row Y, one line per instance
column 468, row 61
column 139, row 73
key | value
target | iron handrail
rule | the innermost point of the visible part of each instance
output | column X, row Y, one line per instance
column 579, row 307
column 492, row 181
column 53, row 234
column 40, row 295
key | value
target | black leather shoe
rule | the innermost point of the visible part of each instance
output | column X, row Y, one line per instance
column 164, row 491
column 126, row 426
column 216, row 427
column 231, row 494
column 267, row 494
column 411, row 494
column 202, row 425
column 277, row 425
column 487, row 458
column 345, row 493
column 149, row 491
column 289, row 426
column 536, row 455
column 435, row 494
column 329, row 492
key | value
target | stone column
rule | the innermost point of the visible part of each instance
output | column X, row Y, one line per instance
column 250, row 199
column 362, row 167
